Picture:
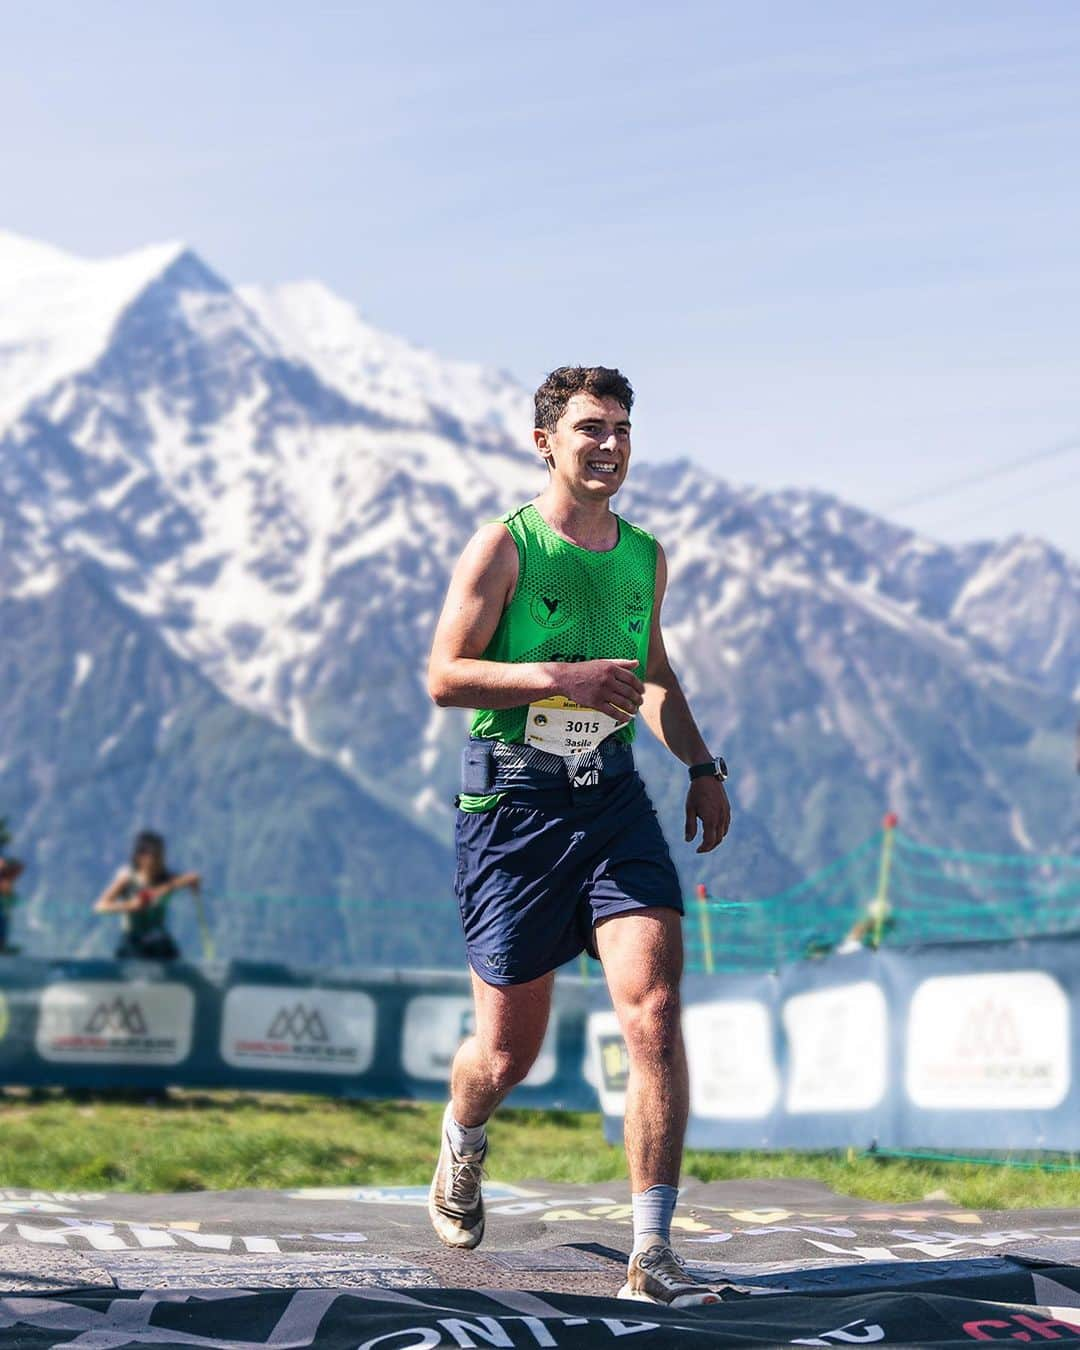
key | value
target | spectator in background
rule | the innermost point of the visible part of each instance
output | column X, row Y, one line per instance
column 876, row 923
column 141, row 892
column 10, row 871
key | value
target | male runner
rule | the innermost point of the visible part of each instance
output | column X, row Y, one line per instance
column 551, row 631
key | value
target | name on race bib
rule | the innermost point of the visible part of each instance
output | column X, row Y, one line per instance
column 562, row 727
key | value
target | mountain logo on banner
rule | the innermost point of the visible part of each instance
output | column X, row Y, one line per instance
column 298, row 1024
column 117, row 1018
column 288, row 1027
column 989, row 1031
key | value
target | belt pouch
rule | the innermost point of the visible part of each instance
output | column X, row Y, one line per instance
column 477, row 768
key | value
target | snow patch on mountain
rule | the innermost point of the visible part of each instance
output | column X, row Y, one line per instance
column 1022, row 602
column 403, row 382
column 57, row 311
column 280, row 490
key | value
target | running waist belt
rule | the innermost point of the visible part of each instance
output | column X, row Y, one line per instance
column 490, row 765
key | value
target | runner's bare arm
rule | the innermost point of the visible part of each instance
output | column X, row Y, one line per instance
column 667, row 715
column 480, row 589
column 109, row 902
column 191, row 880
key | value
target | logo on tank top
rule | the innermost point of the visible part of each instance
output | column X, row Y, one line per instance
column 550, row 611
column 635, row 611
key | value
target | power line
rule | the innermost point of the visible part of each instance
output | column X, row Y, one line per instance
column 1001, row 505
column 984, row 475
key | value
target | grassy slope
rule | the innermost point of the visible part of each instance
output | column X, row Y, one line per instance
column 218, row 1141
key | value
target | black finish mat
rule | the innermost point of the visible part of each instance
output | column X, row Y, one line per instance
column 359, row 1267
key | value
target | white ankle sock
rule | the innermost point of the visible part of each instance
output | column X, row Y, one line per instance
column 653, row 1211
column 464, row 1138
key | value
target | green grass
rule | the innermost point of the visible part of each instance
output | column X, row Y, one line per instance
column 222, row 1140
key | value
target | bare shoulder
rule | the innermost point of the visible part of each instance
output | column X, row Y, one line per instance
column 490, row 554
column 494, row 541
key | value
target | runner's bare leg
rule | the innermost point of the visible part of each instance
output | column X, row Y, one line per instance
column 642, row 954
column 511, row 1021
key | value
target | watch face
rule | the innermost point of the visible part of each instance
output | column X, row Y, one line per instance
column 721, row 767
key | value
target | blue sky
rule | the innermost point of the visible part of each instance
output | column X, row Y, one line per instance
column 831, row 243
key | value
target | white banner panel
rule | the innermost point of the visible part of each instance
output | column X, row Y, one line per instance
column 606, row 1062
column 308, row 1030
column 733, row 1070
column 434, row 1026
column 115, row 1022
column 838, row 1048
column 993, row 1041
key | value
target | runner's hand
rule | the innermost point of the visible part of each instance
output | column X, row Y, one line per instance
column 610, row 687
column 708, row 802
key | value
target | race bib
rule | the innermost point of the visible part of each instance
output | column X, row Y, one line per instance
column 562, row 727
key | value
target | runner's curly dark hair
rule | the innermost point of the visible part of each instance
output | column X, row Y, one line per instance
column 561, row 385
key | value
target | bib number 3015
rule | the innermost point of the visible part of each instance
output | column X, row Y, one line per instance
column 562, row 727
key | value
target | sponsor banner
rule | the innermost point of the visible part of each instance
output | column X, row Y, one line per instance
column 994, row 1042
column 730, row 1044
column 435, row 1025
column 118, row 1024
column 838, row 1046
column 961, row 1046
column 969, row 1046
column 326, row 1031
column 607, row 1063
column 115, row 1022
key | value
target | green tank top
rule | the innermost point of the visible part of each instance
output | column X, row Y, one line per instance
column 140, row 923
column 571, row 604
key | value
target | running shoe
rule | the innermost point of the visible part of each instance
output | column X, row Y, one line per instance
column 657, row 1275
column 455, row 1201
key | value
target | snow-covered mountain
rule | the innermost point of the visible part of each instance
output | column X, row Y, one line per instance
column 276, row 490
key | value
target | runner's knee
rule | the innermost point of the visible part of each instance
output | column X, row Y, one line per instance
column 651, row 1023
column 507, row 1068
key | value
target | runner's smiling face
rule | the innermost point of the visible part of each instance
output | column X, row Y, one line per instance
column 589, row 450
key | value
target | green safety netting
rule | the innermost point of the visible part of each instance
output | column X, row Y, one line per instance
column 932, row 895
column 891, row 890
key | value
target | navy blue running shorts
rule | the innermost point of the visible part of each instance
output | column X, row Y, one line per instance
column 536, row 872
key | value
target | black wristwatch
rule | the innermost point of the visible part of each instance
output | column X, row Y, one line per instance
column 712, row 768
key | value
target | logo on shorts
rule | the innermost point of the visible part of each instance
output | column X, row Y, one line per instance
column 497, row 962
column 550, row 611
